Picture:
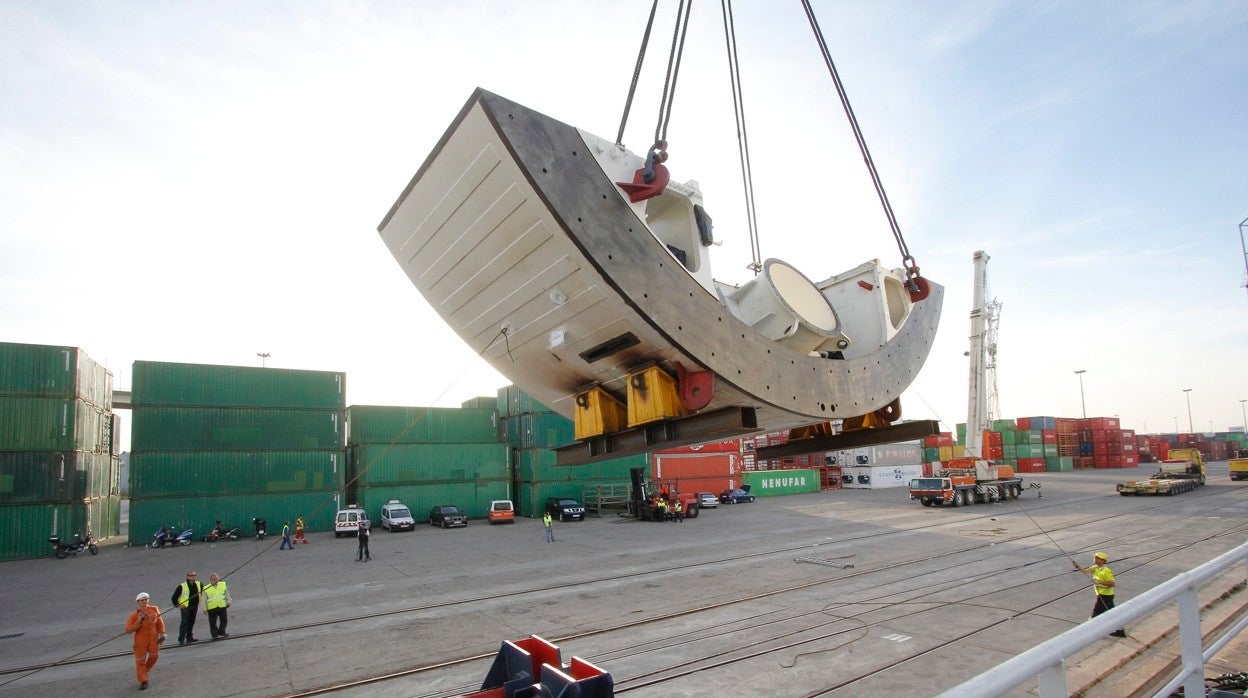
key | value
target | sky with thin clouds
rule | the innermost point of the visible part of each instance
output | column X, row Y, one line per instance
column 202, row 182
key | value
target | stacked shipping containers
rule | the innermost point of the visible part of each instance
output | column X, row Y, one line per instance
column 58, row 459
column 425, row 457
column 233, row 443
column 531, row 432
column 881, row 466
column 710, row 467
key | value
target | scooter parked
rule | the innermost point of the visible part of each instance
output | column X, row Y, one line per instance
column 221, row 533
column 77, row 545
column 165, row 537
column 262, row 526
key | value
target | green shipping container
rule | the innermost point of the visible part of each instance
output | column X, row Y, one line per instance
column 472, row 497
column 538, row 465
column 53, row 424
column 190, row 473
column 39, row 370
column 531, row 497
column 768, row 483
column 1034, row 436
column 1012, row 462
column 376, row 424
column 960, row 430
column 488, row 402
column 931, row 454
column 1003, row 425
column 226, row 429
column 513, row 401
column 27, row 526
column 372, row 464
column 1060, row 464
column 1008, row 438
column 147, row 515
column 56, row 476
column 1029, row 451
column 538, row 430
column 203, row 385
column 1050, row 450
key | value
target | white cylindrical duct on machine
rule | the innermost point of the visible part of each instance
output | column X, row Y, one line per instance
column 786, row 307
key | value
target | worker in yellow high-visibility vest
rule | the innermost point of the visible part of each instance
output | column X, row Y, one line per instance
column 216, row 600
column 1103, row 583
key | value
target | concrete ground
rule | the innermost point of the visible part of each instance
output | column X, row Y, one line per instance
column 849, row 592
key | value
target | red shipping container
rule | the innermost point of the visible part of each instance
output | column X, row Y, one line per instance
column 1128, row 448
column 992, row 438
column 995, row 452
column 1048, row 437
column 1031, row 465
column 1067, row 426
column 1130, row 461
column 1023, row 422
column 931, row 441
column 946, row 439
column 1127, row 434
column 726, row 446
column 711, row 472
column 1100, row 461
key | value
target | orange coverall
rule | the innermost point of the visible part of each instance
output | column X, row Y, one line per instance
column 147, row 631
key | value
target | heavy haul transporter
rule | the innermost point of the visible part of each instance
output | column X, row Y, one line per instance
column 1183, row 472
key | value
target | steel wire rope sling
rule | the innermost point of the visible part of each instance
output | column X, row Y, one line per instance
column 743, row 140
column 915, row 283
column 657, row 153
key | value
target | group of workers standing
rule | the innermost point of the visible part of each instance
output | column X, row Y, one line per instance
column 148, row 626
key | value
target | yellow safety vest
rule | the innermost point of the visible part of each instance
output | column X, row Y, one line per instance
column 184, row 600
column 215, row 595
column 1101, row 575
column 546, row 520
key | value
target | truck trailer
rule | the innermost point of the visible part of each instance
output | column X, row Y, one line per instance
column 1183, row 472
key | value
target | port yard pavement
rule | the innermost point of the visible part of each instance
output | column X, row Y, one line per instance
column 609, row 571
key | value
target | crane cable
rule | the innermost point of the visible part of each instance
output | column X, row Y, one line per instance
column 907, row 260
column 632, row 88
column 743, row 141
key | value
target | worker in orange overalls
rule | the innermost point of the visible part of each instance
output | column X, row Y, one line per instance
column 149, row 631
column 299, row 529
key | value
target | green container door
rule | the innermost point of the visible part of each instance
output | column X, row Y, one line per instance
column 1061, row 464
column 513, row 401
column 1003, row 425
column 1008, row 438
column 766, row 483
column 226, row 429
column 157, row 383
column 374, row 464
column 147, row 515
column 182, row 473
column 37, row 370
column 538, row 430
column 472, row 497
column 27, row 526
column 374, row 424
column 53, row 424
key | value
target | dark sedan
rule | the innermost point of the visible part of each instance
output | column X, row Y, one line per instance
column 736, row 496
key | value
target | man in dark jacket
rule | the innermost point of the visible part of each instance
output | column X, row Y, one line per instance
column 363, row 553
column 186, row 598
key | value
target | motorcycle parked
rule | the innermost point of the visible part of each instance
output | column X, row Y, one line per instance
column 262, row 526
column 77, row 545
column 165, row 537
column 221, row 533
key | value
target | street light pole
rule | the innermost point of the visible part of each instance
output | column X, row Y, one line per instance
column 1244, row 414
column 1188, row 393
column 1082, row 404
column 263, row 355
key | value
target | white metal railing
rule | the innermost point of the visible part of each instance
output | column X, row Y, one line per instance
column 1047, row 661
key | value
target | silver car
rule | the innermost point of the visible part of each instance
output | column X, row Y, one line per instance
column 707, row 500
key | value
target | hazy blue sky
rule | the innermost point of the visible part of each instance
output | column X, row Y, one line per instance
column 202, row 181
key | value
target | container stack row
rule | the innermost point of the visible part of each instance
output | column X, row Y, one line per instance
column 425, row 457
column 58, row 459
column 234, row 443
column 531, row 431
column 1104, row 444
column 711, row 467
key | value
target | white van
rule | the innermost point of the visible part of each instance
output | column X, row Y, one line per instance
column 347, row 521
column 395, row 516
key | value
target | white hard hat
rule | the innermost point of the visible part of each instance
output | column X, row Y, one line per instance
column 142, row 595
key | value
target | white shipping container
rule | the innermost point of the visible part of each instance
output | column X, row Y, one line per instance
column 881, row 476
